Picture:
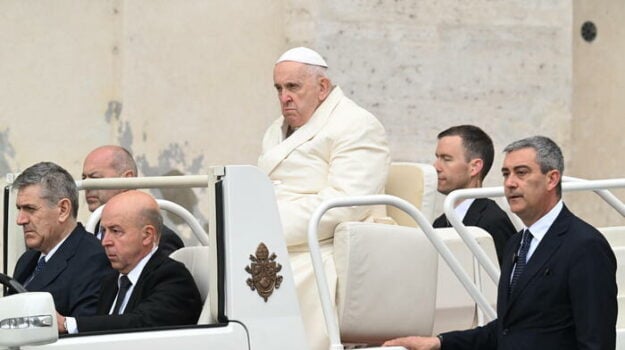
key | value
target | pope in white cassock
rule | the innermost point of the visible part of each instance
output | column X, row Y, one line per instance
column 323, row 146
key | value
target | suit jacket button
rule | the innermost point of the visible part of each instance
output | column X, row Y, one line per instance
column 505, row 331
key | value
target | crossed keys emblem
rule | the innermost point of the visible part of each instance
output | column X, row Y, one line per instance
column 264, row 270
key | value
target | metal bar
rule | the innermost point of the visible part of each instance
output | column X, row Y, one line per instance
column 448, row 206
column 571, row 185
column 172, row 207
column 420, row 219
column 5, row 234
column 606, row 195
column 143, row 182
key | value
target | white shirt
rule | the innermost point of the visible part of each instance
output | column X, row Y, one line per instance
column 539, row 230
column 46, row 257
column 462, row 208
column 53, row 250
column 540, row 227
column 133, row 276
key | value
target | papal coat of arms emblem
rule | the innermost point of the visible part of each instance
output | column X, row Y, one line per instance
column 264, row 270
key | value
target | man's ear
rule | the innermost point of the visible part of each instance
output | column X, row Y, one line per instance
column 325, row 88
column 65, row 209
column 149, row 235
column 553, row 178
column 128, row 173
column 475, row 166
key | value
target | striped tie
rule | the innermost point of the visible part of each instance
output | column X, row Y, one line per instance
column 521, row 259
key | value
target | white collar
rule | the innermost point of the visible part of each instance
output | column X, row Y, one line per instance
column 462, row 208
column 540, row 227
column 134, row 274
column 53, row 250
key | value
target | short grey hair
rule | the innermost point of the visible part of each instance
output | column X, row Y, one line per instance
column 317, row 71
column 152, row 216
column 548, row 154
column 56, row 183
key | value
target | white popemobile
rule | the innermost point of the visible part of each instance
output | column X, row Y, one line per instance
column 243, row 274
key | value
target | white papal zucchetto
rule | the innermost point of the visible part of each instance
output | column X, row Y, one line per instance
column 303, row 55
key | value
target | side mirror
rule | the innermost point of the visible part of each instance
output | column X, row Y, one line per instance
column 27, row 319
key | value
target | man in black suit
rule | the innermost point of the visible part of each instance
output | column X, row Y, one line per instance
column 63, row 259
column 464, row 155
column 150, row 289
column 557, row 288
column 115, row 161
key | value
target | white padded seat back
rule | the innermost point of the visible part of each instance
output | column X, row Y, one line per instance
column 455, row 309
column 615, row 235
column 415, row 183
column 386, row 281
column 196, row 260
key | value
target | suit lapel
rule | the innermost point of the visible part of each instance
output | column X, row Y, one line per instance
column 107, row 294
column 135, row 298
column 23, row 271
column 507, row 264
column 58, row 261
column 282, row 148
column 546, row 249
column 474, row 214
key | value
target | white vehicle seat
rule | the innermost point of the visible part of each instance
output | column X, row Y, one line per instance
column 197, row 262
column 386, row 281
column 616, row 237
column 415, row 183
column 455, row 309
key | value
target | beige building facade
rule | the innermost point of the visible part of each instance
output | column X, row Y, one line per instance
column 188, row 84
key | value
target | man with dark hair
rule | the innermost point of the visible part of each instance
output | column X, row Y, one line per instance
column 557, row 288
column 63, row 259
column 150, row 289
column 116, row 161
column 464, row 155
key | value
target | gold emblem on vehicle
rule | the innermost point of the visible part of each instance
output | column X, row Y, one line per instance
column 264, row 270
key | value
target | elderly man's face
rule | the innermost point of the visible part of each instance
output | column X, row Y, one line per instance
column 98, row 165
column 39, row 219
column 299, row 92
column 126, row 241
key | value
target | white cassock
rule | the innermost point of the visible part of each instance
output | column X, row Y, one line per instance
column 341, row 151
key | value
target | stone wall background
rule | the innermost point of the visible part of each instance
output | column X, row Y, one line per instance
column 186, row 85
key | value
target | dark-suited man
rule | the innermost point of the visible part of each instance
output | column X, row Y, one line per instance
column 150, row 289
column 557, row 288
column 63, row 259
column 115, row 161
column 464, row 155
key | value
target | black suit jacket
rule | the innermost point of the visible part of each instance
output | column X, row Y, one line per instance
column 565, row 299
column 169, row 241
column 165, row 295
column 72, row 275
column 486, row 214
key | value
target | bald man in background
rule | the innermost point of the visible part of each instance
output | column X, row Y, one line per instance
column 115, row 161
column 323, row 146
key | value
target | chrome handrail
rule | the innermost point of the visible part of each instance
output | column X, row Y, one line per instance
column 424, row 224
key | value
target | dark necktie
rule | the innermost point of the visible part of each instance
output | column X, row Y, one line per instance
column 124, row 285
column 40, row 264
column 521, row 259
